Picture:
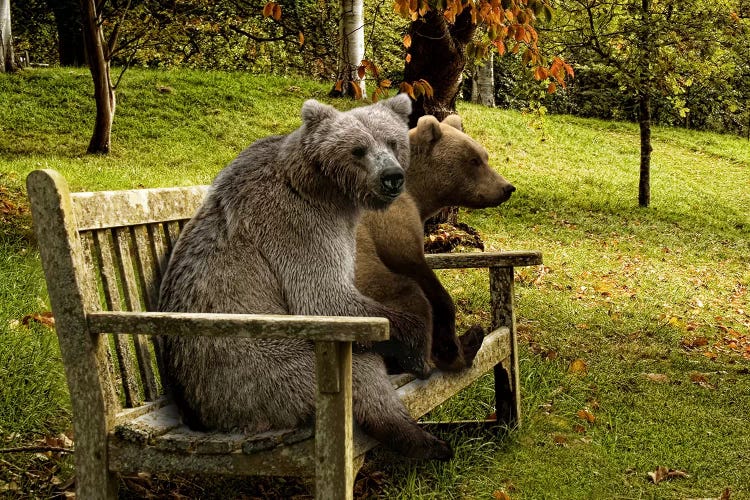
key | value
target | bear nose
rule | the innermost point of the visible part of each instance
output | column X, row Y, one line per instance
column 392, row 180
column 511, row 188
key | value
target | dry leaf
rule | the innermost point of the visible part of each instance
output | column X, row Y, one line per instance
column 586, row 415
column 560, row 439
column 657, row 377
column 577, row 366
column 693, row 343
column 44, row 318
column 702, row 380
column 663, row 473
column 500, row 495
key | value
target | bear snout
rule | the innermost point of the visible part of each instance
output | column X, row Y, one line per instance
column 392, row 181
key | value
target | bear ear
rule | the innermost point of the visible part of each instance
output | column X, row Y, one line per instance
column 314, row 112
column 401, row 105
column 453, row 121
column 428, row 129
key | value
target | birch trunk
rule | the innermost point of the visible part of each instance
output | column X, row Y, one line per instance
column 7, row 59
column 483, row 83
column 352, row 34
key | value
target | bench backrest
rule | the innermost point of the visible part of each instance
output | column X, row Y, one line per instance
column 118, row 243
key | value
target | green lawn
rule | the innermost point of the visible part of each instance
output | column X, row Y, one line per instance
column 653, row 302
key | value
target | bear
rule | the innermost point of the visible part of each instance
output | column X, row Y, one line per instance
column 446, row 168
column 276, row 235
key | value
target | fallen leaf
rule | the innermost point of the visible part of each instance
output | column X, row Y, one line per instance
column 44, row 318
column 657, row 377
column 500, row 495
column 577, row 366
column 694, row 342
column 560, row 439
column 663, row 473
column 586, row 415
column 702, row 380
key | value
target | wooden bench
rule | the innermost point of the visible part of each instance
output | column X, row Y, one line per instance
column 103, row 255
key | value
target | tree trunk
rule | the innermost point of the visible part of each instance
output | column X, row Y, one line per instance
column 7, row 58
column 483, row 83
column 352, row 50
column 69, row 31
column 437, row 56
column 644, row 122
column 104, row 92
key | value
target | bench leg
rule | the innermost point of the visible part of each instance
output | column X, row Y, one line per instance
column 334, row 464
column 507, row 384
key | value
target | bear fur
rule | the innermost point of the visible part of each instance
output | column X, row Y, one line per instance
column 276, row 234
column 446, row 168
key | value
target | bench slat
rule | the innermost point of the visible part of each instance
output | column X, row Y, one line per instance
column 124, row 251
column 166, row 436
column 106, row 209
column 106, row 255
column 334, row 328
column 516, row 258
column 159, row 248
column 149, row 274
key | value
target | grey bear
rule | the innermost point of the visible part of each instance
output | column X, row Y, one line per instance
column 447, row 167
column 276, row 235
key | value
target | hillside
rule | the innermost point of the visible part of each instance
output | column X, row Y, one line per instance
column 635, row 334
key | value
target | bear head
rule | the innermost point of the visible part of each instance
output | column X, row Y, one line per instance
column 449, row 168
column 363, row 152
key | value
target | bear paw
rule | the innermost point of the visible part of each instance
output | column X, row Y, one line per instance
column 471, row 342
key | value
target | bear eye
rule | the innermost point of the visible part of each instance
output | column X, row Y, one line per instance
column 393, row 145
column 475, row 162
column 359, row 151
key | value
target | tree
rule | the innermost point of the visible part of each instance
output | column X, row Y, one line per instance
column 352, row 50
column 438, row 36
column 101, row 48
column 7, row 58
column 643, row 42
column 483, row 82
column 70, row 41
column 99, row 55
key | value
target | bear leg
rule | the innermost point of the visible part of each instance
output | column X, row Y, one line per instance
column 471, row 342
column 381, row 414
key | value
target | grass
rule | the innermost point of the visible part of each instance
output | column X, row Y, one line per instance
column 653, row 301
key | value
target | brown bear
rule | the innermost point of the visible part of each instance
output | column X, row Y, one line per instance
column 446, row 168
column 276, row 234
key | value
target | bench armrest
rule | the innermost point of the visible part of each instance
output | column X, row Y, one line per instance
column 315, row 328
column 516, row 258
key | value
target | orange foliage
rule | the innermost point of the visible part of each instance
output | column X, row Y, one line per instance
column 507, row 22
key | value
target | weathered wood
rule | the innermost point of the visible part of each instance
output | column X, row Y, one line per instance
column 171, row 234
column 96, row 294
column 421, row 396
column 507, row 383
column 127, row 414
column 149, row 273
column 105, row 209
column 484, row 259
column 106, row 256
column 296, row 459
column 159, row 248
column 333, row 328
column 83, row 353
column 124, row 251
column 147, row 266
column 334, row 472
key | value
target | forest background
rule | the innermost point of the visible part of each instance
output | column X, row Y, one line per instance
column 693, row 55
